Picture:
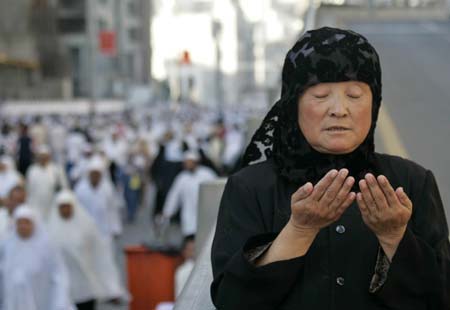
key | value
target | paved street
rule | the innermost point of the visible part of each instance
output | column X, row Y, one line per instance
column 416, row 87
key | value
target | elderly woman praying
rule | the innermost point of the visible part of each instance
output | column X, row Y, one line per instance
column 317, row 219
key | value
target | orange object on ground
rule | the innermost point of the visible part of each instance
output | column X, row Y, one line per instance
column 150, row 277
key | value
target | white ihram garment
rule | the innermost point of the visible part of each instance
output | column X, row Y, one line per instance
column 33, row 273
column 42, row 182
column 184, row 193
column 89, row 261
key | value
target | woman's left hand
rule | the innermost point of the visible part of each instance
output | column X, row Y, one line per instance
column 384, row 210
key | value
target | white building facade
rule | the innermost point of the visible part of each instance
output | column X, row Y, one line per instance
column 235, row 48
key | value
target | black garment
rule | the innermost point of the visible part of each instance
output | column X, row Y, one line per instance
column 163, row 173
column 113, row 172
column 87, row 305
column 339, row 266
column 24, row 154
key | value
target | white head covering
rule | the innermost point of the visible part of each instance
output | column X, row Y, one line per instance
column 8, row 161
column 25, row 212
column 34, row 276
column 191, row 155
column 10, row 178
column 96, row 164
column 88, row 148
column 43, row 149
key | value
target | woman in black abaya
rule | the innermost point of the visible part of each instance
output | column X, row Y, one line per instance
column 317, row 219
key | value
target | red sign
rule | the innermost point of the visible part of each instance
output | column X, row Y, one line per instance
column 107, row 41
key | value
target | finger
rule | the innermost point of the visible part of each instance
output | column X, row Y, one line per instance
column 367, row 196
column 333, row 190
column 367, row 216
column 343, row 192
column 362, row 204
column 376, row 191
column 323, row 184
column 302, row 192
column 404, row 199
column 389, row 192
column 347, row 202
column 366, row 213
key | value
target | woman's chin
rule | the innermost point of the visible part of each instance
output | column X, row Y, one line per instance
column 336, row 148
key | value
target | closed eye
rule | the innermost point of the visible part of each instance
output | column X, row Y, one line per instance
column 320, row 96
column 354, row 96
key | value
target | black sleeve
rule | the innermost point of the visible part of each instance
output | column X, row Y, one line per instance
column 238, row 284
column 419, row 275
column 155, row 169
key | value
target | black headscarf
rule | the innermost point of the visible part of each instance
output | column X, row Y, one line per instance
column 319, row 56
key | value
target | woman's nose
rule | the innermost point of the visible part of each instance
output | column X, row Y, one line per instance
column 339, row 107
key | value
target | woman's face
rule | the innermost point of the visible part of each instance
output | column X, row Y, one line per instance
column 25, row 228
column 335, row 118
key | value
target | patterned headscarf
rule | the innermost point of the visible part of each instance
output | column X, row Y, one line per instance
column 319, row 56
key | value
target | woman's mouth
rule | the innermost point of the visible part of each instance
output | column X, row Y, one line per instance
column 337, row 129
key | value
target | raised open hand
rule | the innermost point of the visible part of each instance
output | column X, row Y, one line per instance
column 384, row 210
column 315, row 207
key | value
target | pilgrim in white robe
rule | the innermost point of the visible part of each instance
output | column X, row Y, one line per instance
column 92, row 271
column 42, row 184
column 234, row 145
column 101, row 201
column 9, row 177
column 33, row 273
column 184, row 193
column 101, row 204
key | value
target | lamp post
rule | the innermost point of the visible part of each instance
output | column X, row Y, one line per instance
column 216, row 32
column 92, row 39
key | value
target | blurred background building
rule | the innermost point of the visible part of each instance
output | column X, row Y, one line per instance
column 216, row 52
column 54, row 49
column 211, row 52
column 206, row 51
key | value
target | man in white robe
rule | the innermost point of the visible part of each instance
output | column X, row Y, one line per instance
column 184, row 192
column 79, row 168
column 32, row 271
column 234, row 145
column 43, row 179
column 115, row 149
column 96, row 194
column 9, row 177
column 74, row 147
column 17, row 196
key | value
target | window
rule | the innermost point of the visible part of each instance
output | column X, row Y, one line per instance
column 75, row 58
column 132, row 8
column 72, row 4
column 102, row 24
column 134, row 34
column 73, row 25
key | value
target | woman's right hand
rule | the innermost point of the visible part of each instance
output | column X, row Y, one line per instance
column 315, row 207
